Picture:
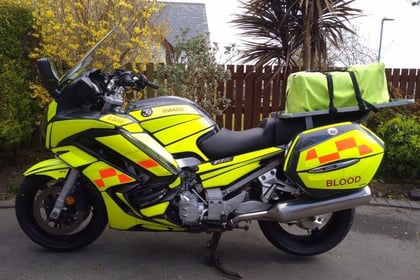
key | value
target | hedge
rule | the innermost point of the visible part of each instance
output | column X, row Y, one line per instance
column 17, row 109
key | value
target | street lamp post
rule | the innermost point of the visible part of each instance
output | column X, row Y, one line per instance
column 380, row 36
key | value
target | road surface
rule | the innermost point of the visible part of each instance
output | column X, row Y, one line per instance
column 384, row 244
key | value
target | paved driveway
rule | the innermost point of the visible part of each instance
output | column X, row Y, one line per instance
column 384, row 244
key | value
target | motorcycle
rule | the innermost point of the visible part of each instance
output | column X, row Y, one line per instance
column 163, row 164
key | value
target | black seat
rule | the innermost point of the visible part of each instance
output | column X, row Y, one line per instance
column 270, row 132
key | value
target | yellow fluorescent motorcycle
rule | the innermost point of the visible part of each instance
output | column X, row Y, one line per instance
column 162, row 164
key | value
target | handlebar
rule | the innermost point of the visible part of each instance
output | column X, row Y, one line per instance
column 151, row 85
column 130, row 79
column 119, row 82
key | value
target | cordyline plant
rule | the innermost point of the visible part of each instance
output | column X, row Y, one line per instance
column 293, row 32
column 67, row 29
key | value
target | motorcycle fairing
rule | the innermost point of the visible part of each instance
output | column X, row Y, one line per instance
column 120, row 219
column 73, row 156
column 186, row 147
column 52, row 110
column 69, row 123
column 104, row 176
column 116, row 120
column 117, row 202
column 54, row 168
column 142, row 150
column 223, row 172
column 61, row 130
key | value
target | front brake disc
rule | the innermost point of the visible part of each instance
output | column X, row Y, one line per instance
column 69, row 220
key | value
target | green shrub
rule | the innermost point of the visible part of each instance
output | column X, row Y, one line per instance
column 17, row 110
column 192, row 72
column 387, row 114
column 402, row 148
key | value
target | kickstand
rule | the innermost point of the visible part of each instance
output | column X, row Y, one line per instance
column 212, row 260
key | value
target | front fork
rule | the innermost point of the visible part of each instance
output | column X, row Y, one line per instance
column 65, row 191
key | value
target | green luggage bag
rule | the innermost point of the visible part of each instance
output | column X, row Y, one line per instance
column 358, row 85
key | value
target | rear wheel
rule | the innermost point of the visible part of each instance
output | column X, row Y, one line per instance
column 309, row 236
column 81, row 221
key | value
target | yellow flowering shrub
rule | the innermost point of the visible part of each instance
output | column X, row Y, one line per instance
column 68, row 29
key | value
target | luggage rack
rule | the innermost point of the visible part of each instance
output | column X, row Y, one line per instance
column 309, row 116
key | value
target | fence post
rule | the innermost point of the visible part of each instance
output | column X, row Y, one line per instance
column 239, row 97
column 249, row 96
column 228, row 94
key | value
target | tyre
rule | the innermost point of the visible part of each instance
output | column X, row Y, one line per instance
column 81, row 221
column 310, row 236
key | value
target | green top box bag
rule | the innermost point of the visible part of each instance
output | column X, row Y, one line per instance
column 358, row 85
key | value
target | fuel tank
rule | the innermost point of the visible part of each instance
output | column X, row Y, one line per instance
column 177, row 123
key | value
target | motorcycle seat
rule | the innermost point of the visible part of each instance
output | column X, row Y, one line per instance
column 270, row 132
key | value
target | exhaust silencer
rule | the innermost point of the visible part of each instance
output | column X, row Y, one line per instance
column 302, row 208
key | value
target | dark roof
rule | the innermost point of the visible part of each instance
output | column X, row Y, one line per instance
column 179, row 16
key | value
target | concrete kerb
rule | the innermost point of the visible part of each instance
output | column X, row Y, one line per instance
column 406, row 204
column 375, row 201
column 10, row 203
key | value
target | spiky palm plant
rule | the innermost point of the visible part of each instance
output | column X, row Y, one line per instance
column 281, row 28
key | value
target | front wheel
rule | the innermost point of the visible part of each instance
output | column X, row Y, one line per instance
column 81, row 221
column 309, row 236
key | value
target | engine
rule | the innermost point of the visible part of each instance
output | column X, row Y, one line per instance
column 194, row 210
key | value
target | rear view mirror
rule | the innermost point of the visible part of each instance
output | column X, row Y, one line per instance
column 49, row 75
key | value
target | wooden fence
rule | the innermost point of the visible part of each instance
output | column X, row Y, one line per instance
column 255, row 93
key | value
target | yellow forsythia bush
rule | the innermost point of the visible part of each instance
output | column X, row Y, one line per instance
column 68, row 29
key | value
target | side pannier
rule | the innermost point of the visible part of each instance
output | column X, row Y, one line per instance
column 333, row 158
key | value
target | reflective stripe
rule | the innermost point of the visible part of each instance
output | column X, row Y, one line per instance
column 311, row 154
column 328, row 158
column 149, row 163
column 364, row 150
column 109, row 172
column 341, row 145
column 110, row 176
column 345, row 144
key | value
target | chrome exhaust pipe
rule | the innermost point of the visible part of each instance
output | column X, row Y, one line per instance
column 302, row 208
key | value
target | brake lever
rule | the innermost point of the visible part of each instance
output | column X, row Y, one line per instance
column 151, row 85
